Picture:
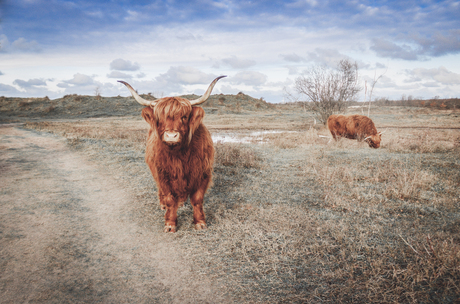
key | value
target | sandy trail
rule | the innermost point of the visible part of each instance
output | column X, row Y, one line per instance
column 66, row 237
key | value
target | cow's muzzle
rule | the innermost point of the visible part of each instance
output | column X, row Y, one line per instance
column 171, row 138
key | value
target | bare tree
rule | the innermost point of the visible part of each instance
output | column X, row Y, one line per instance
column 97, row 92
column 327, row 90
column 374, row 81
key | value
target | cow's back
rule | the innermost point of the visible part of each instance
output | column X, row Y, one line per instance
column 362, row 126
column 351, row 126
column 337, row 125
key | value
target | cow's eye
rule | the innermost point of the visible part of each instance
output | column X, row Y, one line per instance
column 184, row 117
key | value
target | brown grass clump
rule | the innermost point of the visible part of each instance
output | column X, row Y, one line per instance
column 236, row 155
column 290, row 140
column 76, row 132
column 420, row 141
column 49, row 109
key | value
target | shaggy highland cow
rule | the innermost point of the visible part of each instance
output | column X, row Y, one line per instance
column 354, row 127
column 179, row 153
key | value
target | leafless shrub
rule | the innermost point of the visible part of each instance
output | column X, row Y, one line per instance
column 97, row 92
column 329, row 91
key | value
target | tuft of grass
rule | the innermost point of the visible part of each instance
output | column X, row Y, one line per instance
column 76, row 132
column 291, row 140
column 420, row 141
column 236, row 155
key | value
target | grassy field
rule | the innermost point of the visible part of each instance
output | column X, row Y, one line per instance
column 293, row 219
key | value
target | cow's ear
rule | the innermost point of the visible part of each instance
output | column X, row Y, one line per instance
column 147, row 114
column 196, row 118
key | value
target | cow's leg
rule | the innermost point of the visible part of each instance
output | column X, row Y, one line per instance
column 162, row 200
column 196, row 199
column 334, row 135
column 169, row 202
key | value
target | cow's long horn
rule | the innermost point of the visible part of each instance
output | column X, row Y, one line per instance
column 380, row 133
column 136, row 96
column 367, row 137
column 206, row 95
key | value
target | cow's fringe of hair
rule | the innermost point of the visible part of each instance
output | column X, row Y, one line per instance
column 172, row 107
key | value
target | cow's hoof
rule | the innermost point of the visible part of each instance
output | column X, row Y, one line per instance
column 200, row 226
column 169, row 228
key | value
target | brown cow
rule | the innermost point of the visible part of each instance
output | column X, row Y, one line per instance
column 354, row 127
column 179, row 153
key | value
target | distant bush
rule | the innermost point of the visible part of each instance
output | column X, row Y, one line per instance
column 329, row 91
column 434, row 103
column 49, row 109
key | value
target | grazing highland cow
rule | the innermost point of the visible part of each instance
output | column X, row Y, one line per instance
column 179, row 153
column 354, row 127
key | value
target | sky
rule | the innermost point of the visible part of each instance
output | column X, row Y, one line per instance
column 168, row 48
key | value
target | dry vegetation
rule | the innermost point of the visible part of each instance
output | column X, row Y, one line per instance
column 298, row 220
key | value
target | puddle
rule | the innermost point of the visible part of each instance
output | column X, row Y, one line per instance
column 248, row 137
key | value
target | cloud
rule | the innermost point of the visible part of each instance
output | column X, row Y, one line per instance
column 4, row 43
column 431, row 84
column 379, row 65
column 301, row 4
column 238, row 63
column 1, row 73
column 292, row 57
column 327, row 57
column 21, row 45
column 383, row 82
column 132, row 15
column 119, row 75
column 175, row 81
column 292, row 70
column 8, row 90
column 185, row 76
column 249, row 78
column 31, row 87
column 440, row 44
column 124, row 65
column 29, row 83
column 186, row 36
column 440, row 75
column 385, row 48
column 78, row 80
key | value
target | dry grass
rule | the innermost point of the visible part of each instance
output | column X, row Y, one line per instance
column 134, row 136
column 236, row 155
column 421, row 140
column 290, row 140
column 298, row 220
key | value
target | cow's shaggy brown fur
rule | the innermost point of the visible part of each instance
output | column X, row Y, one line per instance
column 354, row 127
column 183, row 168
column 179, row 153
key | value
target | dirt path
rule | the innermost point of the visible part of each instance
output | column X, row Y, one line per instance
column 65, row 236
